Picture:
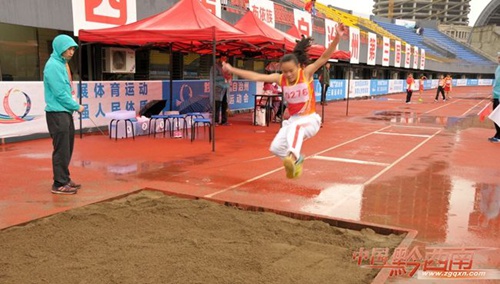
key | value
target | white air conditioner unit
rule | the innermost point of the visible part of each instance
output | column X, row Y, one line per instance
column 118, row 60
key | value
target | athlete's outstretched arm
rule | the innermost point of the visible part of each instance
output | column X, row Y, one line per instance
column 327, row 54
column 251, row 75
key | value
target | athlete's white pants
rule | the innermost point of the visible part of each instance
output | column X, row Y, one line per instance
column 293, row 132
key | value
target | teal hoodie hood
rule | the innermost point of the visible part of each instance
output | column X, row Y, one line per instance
column 56, row 80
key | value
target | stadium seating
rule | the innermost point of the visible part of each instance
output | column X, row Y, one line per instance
column 460, row 50
column 408, row 35
column 352, row 20
column 435, row 43
column 377, row 29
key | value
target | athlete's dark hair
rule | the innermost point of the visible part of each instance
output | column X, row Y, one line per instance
column 299, row 54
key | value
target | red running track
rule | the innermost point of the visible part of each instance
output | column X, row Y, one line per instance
column 425, row 166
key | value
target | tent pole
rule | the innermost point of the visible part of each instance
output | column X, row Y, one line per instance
column 171, row 86
column 282, row 104
column 212, row 82
column 80, row 83
column 348, row 89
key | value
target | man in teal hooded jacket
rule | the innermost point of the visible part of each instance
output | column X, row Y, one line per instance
column 60, row 105
column 496, row 98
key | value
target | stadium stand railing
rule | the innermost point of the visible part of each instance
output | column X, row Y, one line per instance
column 411, row 37
column 366, row 25
column 461, row 50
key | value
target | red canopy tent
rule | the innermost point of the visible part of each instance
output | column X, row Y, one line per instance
column 271, row 42
column 279, row 42
column 187, row 22
column 187, row 25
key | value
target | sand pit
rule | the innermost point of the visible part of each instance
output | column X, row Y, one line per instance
column 153, row 238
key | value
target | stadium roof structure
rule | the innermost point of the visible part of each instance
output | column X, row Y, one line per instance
column 445, row 11
column 490, row 14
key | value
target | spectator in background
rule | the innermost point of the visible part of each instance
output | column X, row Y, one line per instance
column 324, row 80
column 421, row 84
column 276, row 103
column 419, row 30
column 440, row 89
column 496, row 97
column 448, row 82
column 222, row 86
column 410, row 82
column 310, row 6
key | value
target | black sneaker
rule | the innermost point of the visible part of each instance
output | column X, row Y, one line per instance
column 74, row 185
column 494, row 140
column 66, row 189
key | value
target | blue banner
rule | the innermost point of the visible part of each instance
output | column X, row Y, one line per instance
column 379, row 87
column 427, row 84
column 241, row 94
column 472, row 82
column 194, row 96
column 336, row 91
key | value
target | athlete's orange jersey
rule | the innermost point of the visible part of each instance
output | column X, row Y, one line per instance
column 299, row 95
column 448, row 81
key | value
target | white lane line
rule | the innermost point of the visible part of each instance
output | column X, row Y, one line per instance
column 280, row 168
column 401, row 158
column 487, row 105
column 334, row 159
column 416, row 126
column 445, row 105
column 475, row 107
column 242, row 183
column 261, row 159
column 352, row 140
column 340, row 202
column 402, row 134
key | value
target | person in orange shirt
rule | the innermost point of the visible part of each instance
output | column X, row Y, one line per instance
column 448, row 82
column 410, row 83
column 421, row 84
column 296, row 82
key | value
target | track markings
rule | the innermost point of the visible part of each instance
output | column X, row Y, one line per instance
column 353, row 161
column 402, row 134
column 401, row 158
column 444, row 105
column 280, row 168
column 318, row 156
column 469, row 110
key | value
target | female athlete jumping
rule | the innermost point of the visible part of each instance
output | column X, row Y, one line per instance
column 296, row 82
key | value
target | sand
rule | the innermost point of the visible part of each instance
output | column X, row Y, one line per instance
column 149, row 237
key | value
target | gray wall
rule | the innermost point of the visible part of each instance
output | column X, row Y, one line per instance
column 51, row 14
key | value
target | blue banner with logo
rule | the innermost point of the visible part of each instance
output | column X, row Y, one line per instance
column 379, row 87
column 194, row 96
column 472, row 82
